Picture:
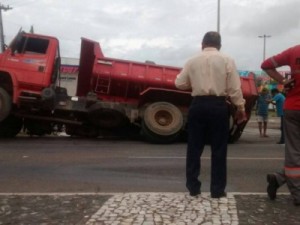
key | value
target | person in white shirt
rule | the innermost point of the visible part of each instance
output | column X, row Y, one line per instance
column 212, row 78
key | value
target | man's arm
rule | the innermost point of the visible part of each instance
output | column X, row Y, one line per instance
column 234, row 89
column 182, row 80
column 270, row 65
column 274, row 74
column 235, row 92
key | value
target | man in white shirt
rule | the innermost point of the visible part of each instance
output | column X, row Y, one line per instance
column 212, row 78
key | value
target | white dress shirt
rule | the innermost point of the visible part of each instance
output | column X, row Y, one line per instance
column 212, row 73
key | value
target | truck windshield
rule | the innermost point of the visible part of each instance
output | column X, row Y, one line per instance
column 31, row 45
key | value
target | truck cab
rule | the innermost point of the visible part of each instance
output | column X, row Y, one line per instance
column 29, row 67
column 32, row 61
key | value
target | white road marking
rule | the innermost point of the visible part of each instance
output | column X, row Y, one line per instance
column 183, row 157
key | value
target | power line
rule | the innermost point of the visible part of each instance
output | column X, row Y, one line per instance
column 5, row 8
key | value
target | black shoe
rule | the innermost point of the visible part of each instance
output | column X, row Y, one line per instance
column 272, row 186
column 218, row 195
column 280, row 143
column 195, row 193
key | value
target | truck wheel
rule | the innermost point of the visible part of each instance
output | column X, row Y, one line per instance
column 162, row 122
column 107, row 118
column 236, row 132
column 5, row 104
column 86, row 130
column 10, row 127
column 35, row 127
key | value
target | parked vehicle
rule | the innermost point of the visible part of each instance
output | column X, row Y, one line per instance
column 113, row 95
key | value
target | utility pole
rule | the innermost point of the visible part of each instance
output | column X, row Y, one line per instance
column 31, row 30
column 264, row 51
column 218, row 17
column 2, row 44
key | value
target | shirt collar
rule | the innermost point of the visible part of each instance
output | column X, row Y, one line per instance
column 210, row 49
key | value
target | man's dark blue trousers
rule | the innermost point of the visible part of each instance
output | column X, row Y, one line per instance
column 208, row 123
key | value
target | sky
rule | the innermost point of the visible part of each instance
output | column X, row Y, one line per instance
column 167, row 32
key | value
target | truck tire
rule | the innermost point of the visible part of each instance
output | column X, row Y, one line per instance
column 5, row 104
column 10, row 126
column 38, row 128
column 86, row 130
column 162, row 122
column 107, row 116
column 236, row 132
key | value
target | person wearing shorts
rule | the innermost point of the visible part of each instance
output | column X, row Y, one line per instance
column 262, row 111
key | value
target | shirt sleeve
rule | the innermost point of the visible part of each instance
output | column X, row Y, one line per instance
column 182, row 80
column 275, row 98
column 282, row 59
column 234, row 86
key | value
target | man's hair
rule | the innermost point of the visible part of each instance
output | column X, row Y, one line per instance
column 212, row 38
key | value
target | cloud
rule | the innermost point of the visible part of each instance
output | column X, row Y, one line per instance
column 165, row 31
column 280, row 18
column 250, row 19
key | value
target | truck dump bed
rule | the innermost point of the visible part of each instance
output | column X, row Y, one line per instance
column 124, row 78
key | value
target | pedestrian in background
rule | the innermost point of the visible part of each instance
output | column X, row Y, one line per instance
column 291, row 122
column 278, row 100
column 262, row 111
column 212, row 77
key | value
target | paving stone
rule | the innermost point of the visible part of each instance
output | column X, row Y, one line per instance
column 197, row 210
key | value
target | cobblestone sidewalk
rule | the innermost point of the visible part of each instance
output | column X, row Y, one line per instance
column 146, row 209
column 159, row 209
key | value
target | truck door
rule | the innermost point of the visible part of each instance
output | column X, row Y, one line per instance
column 28, row 60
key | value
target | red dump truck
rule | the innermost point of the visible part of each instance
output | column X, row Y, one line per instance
column 113, row 95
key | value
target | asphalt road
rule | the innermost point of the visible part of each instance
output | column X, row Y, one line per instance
column 64, row 164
